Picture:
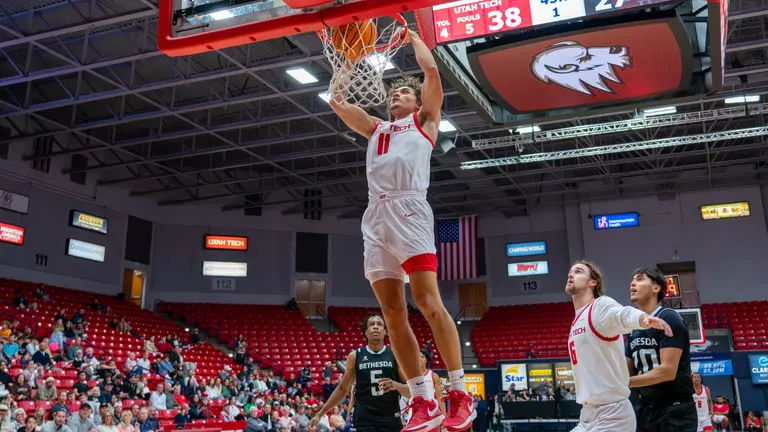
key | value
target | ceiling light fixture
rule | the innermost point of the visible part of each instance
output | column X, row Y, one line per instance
column 446, row 126
column 742, row 99
column 301, row 75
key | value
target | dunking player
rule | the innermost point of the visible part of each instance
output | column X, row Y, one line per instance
column 597, row 351
column 398, row 233
column 375, row 410
column 703, row 400
column 660, row 364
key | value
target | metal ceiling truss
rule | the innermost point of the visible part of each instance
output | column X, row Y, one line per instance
column 230, row 122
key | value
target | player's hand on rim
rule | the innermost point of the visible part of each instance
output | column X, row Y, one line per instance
column 655, row 322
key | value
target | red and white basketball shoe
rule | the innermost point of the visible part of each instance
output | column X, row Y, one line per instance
column 425, row 415
column 461, row 411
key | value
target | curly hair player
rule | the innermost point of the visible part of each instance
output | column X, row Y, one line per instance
column 597, row 351
column 398, row 233
column 660, row 364
column 376, row 409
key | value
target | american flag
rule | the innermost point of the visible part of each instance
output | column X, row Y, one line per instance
column 457, row 248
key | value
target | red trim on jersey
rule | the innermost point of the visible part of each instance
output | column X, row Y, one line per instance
column 708, row 428
column 375, row 128
column 418, row 126
column 579, row 315
column 426, row 261
column 703, row 390
column 594, row 330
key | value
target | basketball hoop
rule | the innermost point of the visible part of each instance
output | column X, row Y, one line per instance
column 359, row 53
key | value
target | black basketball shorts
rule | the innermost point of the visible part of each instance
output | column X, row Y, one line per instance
column 678, row 417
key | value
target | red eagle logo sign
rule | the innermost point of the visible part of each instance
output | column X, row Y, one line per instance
column 641, row 60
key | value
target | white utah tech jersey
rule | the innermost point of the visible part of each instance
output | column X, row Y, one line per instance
column 702, row 403
column 398, row 158
column 599, row 367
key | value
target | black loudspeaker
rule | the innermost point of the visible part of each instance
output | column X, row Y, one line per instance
column 249, row 201
column 78, row 162
column 445, row 145
column 5, row 140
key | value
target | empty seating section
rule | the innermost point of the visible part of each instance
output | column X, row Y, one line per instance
column 285, row 340
column 748, row 322
column 511, row 332
column 99, row 335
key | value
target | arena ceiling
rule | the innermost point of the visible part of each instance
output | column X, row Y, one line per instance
column 84, row 77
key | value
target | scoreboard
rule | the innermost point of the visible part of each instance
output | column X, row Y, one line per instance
column 468, row 19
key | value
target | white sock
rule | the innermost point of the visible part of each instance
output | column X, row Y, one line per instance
column 457, row 380
column 418, row 387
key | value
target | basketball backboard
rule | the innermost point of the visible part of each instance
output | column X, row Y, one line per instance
column 189, row 27
column 692, row 319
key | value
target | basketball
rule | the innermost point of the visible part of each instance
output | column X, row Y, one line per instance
column 355, row 40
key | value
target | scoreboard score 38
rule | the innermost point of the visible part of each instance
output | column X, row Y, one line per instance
column 468, row 19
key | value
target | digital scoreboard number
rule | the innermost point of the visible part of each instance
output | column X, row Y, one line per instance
column 673, row 286
column 467, row 19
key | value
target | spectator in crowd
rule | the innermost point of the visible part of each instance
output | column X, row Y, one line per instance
column 123, row 326
column 5, row 419
column 163, row 346
column 195, row 339
column 301, row 419
column 78, row 317
column 183, row 417
column 11, row 349
column 59, row 422
column 720, row 411
column 81, row 422
column 76, row 345
column 5, row 331
column 108, row 422
column 254, row 424
column 144, row 363
column 143, row 422
column 43, row 356
column 20, row 389
column 61, row 403
column 30, row 425
column 32, row 372
column 149, row 345
column 130, row 364
column 40, row 417
column 126, row 423
column 47, row 392
column 752, row 423
column 571, row 395
column 19, row 419
column 170, row 400
column 157, row 399
column 292, row 305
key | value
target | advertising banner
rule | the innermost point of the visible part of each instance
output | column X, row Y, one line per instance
column 712, row 364
column 538, row 372
column 619, row 220
column 475, row 384
column 514, row 373
column 88, row 222
column 11, row 234
column 725, row 211
column 564, row 373
column 526, row 249
column 225, row 269
column 528, row 268
column 84, row 250
column 14, row 202
column 226, row 242
column 758, row 367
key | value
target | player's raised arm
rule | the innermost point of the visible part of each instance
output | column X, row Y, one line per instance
column 670, row 351
column 432, row 89
column 352, row 115
column 612, row 319
column 341, row 391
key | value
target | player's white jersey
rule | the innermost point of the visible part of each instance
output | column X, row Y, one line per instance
column 702, row 403
column 599, row 367
column 398, row 158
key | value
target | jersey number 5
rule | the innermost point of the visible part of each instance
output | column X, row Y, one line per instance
column 383, row 147
column 375, row 376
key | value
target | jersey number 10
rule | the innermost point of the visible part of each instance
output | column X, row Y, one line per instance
column 645, row 360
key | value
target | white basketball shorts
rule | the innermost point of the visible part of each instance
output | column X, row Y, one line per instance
column 613, row 417
column 398, row 236
column 705, row 425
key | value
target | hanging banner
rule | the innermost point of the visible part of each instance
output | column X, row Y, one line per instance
column 514, row 373
column 11, row 234
column 88, row 222
column 475, row 384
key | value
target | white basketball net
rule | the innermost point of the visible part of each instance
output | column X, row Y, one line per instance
column 360, row 81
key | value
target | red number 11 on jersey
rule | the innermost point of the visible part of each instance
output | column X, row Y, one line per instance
column 383, row 147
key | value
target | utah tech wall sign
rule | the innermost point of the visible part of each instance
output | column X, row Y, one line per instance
column 597, row 66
